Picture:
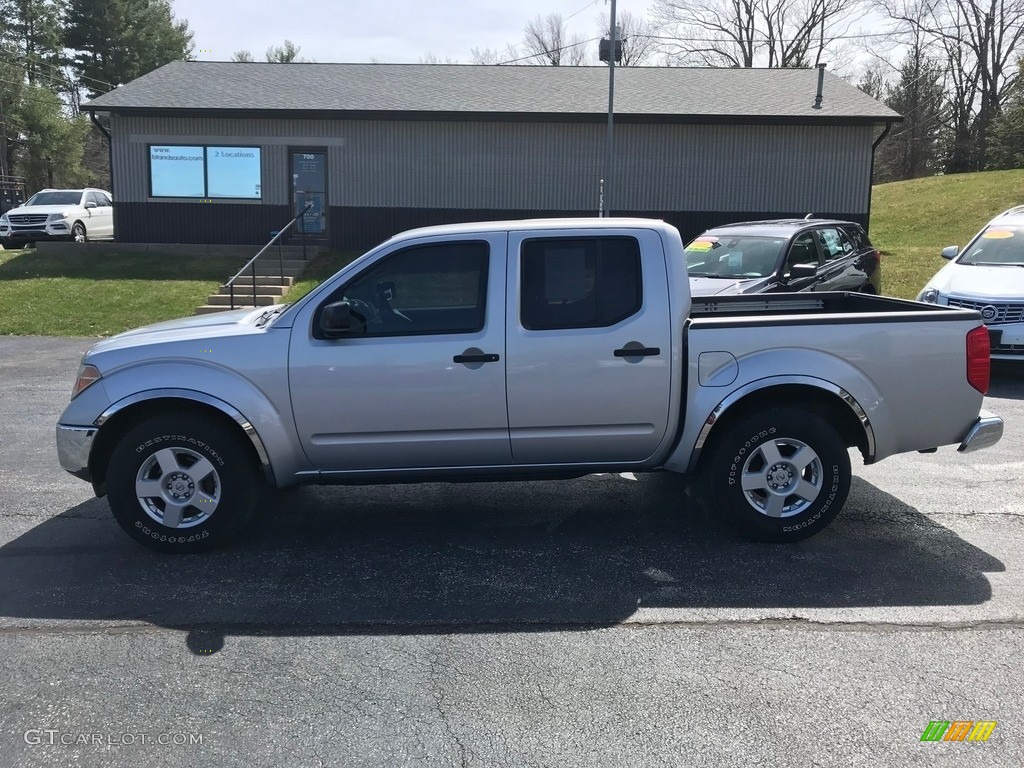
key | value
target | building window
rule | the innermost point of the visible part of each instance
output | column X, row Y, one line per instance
column 579, row 283
column 205, row 172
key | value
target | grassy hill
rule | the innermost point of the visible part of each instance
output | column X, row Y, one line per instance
column 911, row 221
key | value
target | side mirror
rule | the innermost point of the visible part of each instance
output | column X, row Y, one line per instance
column 800, row 271
column 90, row 204
column 950, row 252
column 336, row 319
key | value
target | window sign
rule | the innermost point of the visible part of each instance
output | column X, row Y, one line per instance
column 233, row 172
column 177, row 171
column 205, row 172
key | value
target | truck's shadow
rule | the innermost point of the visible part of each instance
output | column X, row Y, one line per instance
column 1007, row 380
column 511, row 557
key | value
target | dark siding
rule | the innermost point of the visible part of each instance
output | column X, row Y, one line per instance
column 213, row 223
column 359, row 228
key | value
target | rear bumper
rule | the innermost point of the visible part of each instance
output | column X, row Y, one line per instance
column 985, row 432
column 73, row 447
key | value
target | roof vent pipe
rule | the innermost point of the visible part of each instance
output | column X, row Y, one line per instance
column 821, row 85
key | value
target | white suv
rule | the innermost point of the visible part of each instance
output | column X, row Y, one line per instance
column 59, row 214
column 988, row 275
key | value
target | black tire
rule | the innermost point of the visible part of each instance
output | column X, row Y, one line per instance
column 232, row 484
column 742, row 447
column 8, row 244
column 78, row 233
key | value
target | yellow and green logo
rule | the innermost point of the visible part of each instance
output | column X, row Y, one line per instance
column 958, row 730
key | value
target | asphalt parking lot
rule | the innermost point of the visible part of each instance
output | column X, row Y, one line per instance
column 605, row 621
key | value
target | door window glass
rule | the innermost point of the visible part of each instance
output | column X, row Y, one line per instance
column 579, row 282
column 836, row 243
column 425, row 289
column 803, row 251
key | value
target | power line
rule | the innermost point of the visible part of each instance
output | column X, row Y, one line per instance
column 551, row 50
column 24, row 61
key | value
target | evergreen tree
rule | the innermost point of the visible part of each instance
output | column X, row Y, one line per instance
column 1007, row 137
column 115, row 41
column 49, row 149
column 31, row 30
column 914, row 148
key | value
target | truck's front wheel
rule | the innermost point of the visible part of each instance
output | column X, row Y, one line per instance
column 781, row 475
column 182, row 483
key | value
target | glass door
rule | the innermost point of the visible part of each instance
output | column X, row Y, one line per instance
column 309, row 185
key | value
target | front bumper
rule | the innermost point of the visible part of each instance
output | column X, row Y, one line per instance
column 24, row 233
column 984, row 433
column 73, row 447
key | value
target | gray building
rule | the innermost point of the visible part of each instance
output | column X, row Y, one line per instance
column 216, row 152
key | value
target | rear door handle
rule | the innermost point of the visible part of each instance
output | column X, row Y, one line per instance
column 475, row 358
column 637, row 351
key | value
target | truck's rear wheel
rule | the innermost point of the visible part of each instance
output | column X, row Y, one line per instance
column 781, row 475
column 182, row 483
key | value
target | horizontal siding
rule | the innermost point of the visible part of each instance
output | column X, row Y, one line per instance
column 534, row 166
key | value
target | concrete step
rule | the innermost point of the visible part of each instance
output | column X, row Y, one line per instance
column 223, row 299
column 267, row 290
column 209, row 309
column 265, row 279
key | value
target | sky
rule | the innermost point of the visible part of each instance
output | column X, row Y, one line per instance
column 390, row 31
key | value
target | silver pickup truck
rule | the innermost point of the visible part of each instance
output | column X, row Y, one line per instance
column 521, row 350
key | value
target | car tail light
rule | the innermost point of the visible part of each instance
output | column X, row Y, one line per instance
column 878, row 256
column 978, row 362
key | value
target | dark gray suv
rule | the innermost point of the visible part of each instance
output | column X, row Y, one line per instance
column 783, row 255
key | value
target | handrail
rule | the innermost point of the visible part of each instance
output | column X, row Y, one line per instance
column 252, row 262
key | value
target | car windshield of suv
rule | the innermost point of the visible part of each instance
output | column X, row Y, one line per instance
column 740, row 256
column 999, row 245
column 55, row 198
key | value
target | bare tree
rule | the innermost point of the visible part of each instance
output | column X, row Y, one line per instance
column 639, row 38
column 432, row 58
column 284, row 54
column 242, row 56
column 980, row 39
column 750, row 33
column 546, row 41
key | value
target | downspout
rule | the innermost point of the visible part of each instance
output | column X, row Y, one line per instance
column 870, row 177
column 110, row 162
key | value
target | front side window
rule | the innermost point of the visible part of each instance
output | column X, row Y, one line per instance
column 427, row 289
column 803, row 251
column 579, row 282
column 205, row 172
column 999, row 244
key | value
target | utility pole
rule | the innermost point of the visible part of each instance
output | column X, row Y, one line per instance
column 609, row 142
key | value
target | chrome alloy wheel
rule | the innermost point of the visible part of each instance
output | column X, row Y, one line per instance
column 178, row 487
column 782, row 477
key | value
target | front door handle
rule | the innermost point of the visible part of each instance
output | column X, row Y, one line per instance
column 635, row 349
column 475, row 356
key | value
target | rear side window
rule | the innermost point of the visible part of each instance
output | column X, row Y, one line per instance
column 579, row 282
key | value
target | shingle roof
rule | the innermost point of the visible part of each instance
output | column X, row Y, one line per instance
column 493, row 90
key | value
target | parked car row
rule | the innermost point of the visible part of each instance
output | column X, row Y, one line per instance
column 59, row 214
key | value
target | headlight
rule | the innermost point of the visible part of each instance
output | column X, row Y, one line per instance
column 87, row 375
column 930, row 295
column 3, row 219
column 58, row 216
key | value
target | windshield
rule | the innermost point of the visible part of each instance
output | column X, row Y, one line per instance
column 741, row 256
column 56, row 198
column 1000, row 244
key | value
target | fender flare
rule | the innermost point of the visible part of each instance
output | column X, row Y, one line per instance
column 198, row 397
column 774, row 381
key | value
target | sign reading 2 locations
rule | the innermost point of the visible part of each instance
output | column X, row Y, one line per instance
column 205, row 172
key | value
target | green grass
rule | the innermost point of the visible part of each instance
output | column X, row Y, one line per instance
column 100, row 295
column 319, row 269
column 911, row 221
